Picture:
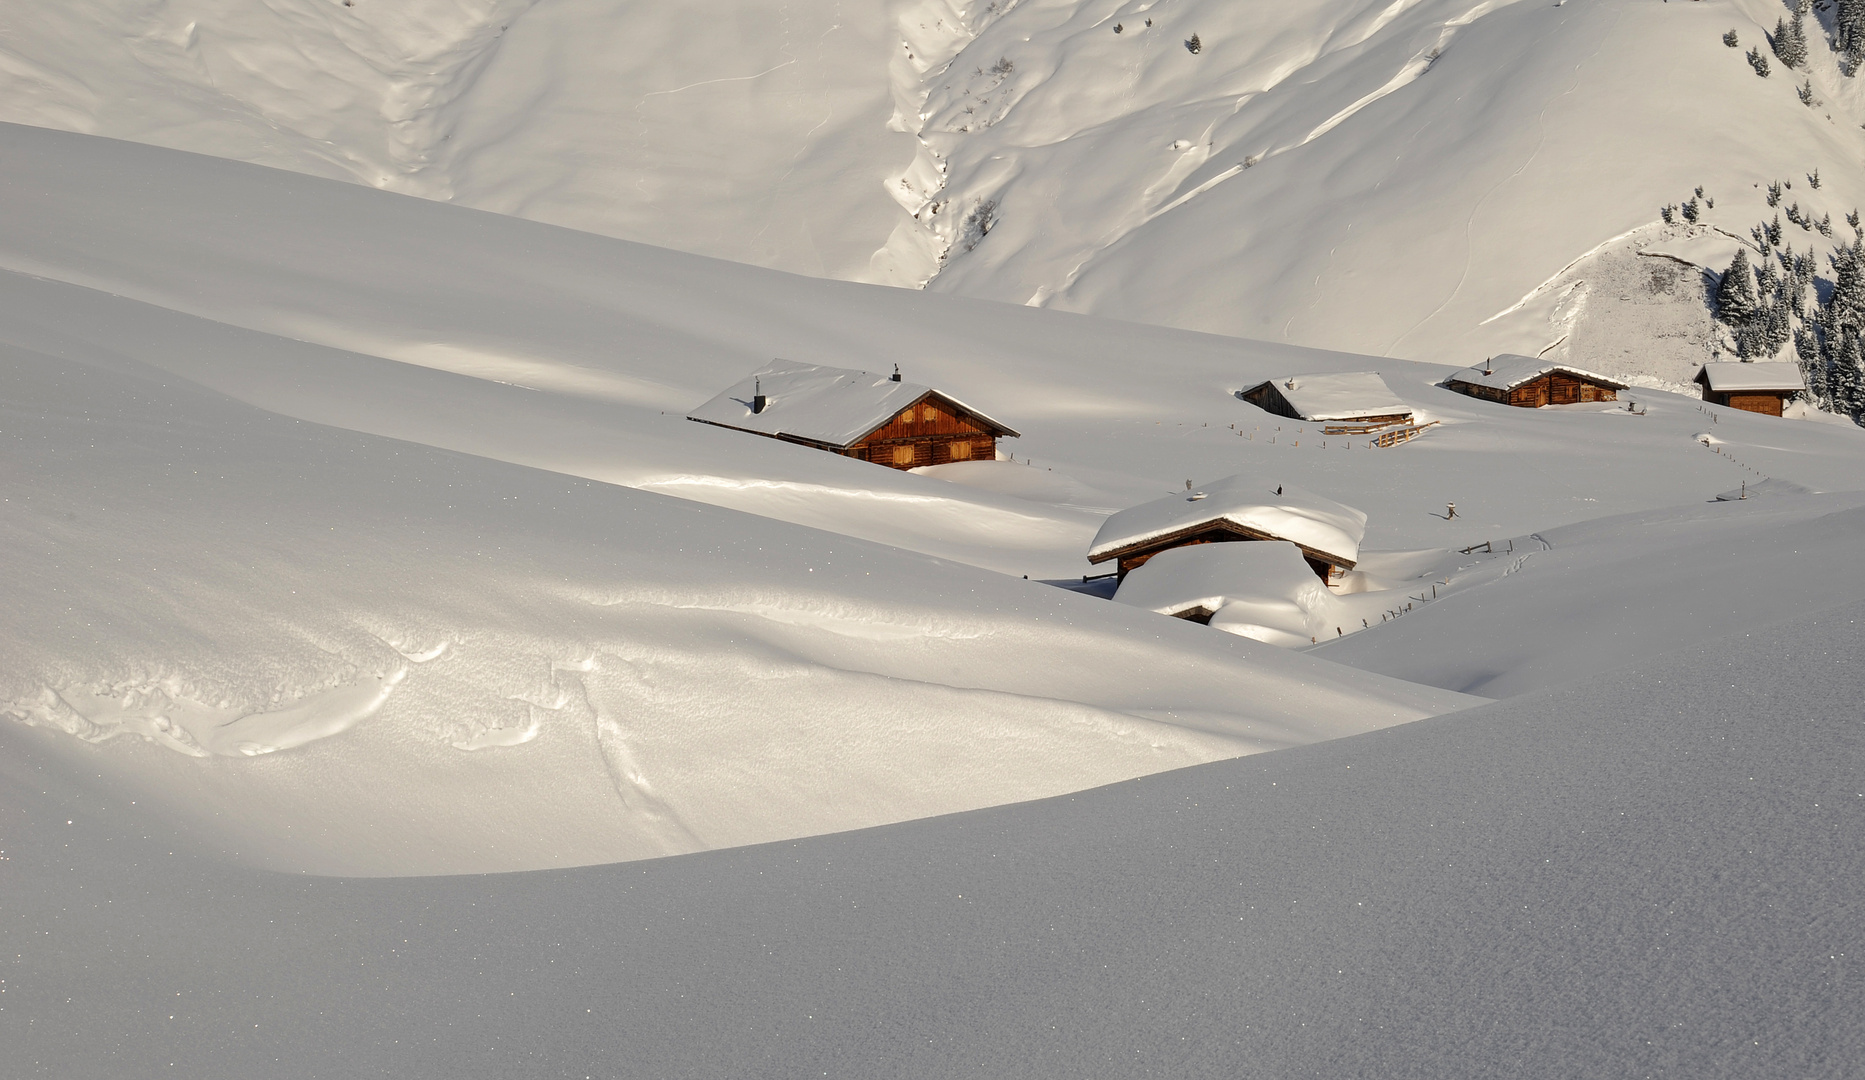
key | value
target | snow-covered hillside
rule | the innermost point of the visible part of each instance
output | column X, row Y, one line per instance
column 232, row 580
column 1434, row 179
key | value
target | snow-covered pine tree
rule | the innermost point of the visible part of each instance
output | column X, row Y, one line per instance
column 1789, row 42
column 1845, row 308
column 1736, row 301
column 1731, row 40
column 1845, row 375
column 1759, row 62
column 1812, row 366
column 1849, row 32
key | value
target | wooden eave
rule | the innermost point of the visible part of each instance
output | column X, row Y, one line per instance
column 1242, row 532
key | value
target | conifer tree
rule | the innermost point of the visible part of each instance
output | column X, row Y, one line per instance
column 1845, row 376
column 1845, row 309
column 1849, row 31
column 1789, row 41
column 1812, row 366
column 1736, row 301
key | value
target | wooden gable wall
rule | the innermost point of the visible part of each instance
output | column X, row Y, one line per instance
column 929, row 432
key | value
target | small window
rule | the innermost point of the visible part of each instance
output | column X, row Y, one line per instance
column 960, row 451
column 929, row 414
column 903, row 455
column 906, row 417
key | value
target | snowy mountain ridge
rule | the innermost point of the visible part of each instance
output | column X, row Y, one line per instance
column 1444, row 171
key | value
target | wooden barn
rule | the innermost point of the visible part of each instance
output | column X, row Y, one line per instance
column 1762, row 388
column 858, row 414
column 1235, row 508
column 1350, row 399
column 1529, row 383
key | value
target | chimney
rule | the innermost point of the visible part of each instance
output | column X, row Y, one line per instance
column 895, row 377
column 758, row 400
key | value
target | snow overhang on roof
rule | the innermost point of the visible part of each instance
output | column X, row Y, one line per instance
column 1345, row 395
column 1773, row 377
column 828, row 405
column 1510, row 370
column 1321, row 526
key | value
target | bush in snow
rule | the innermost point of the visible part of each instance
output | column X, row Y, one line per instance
column 1806, row 94
column 1852, row 219
column 1759, row 62
column 1690, row 211
column 1813, row 178
column 1774, row 193
column 1669, row 213
column 1193, row 45
column 1731, row 40
column 978, row 224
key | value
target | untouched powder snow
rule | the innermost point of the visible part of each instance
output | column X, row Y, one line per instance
column 340, row 653
column 1652, row 871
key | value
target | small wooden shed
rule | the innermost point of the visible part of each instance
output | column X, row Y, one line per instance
column 1234, row 508
column 1529, row 382
column 1348, row 399
column 1762, row 388
column 858, row 414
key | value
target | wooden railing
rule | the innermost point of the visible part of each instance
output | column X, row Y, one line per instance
column 1395, row 436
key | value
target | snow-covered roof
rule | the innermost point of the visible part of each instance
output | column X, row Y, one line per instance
column 1775, row 376
column 1343, row 395
column 1212, row 575
column 1510, row 370
column 1320, row 525
column 831, row 405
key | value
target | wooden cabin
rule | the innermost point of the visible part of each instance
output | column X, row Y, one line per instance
column 1760, row 388
column 1236, row 508
column 1528, row 382
column 1360, row 400
column 858, row 414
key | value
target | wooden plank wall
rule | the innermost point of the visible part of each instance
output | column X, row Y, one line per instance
column 928, row 433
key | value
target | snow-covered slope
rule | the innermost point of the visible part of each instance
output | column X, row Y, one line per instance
column 336, row 652
column 1649, row 873
column 448, row 604
column 1438, row 179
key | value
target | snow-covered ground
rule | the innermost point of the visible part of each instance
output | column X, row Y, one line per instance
column 1653, row 871
column 347, row 532
column 1437, row 180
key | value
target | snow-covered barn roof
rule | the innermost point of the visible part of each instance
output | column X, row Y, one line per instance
column 1773, row 377
column 1510, row 370
column 1321, row 526
column 1343, row 395
column 1209, row 576
column 830, row 405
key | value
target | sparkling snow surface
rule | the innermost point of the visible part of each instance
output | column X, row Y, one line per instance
column 1650, row 871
